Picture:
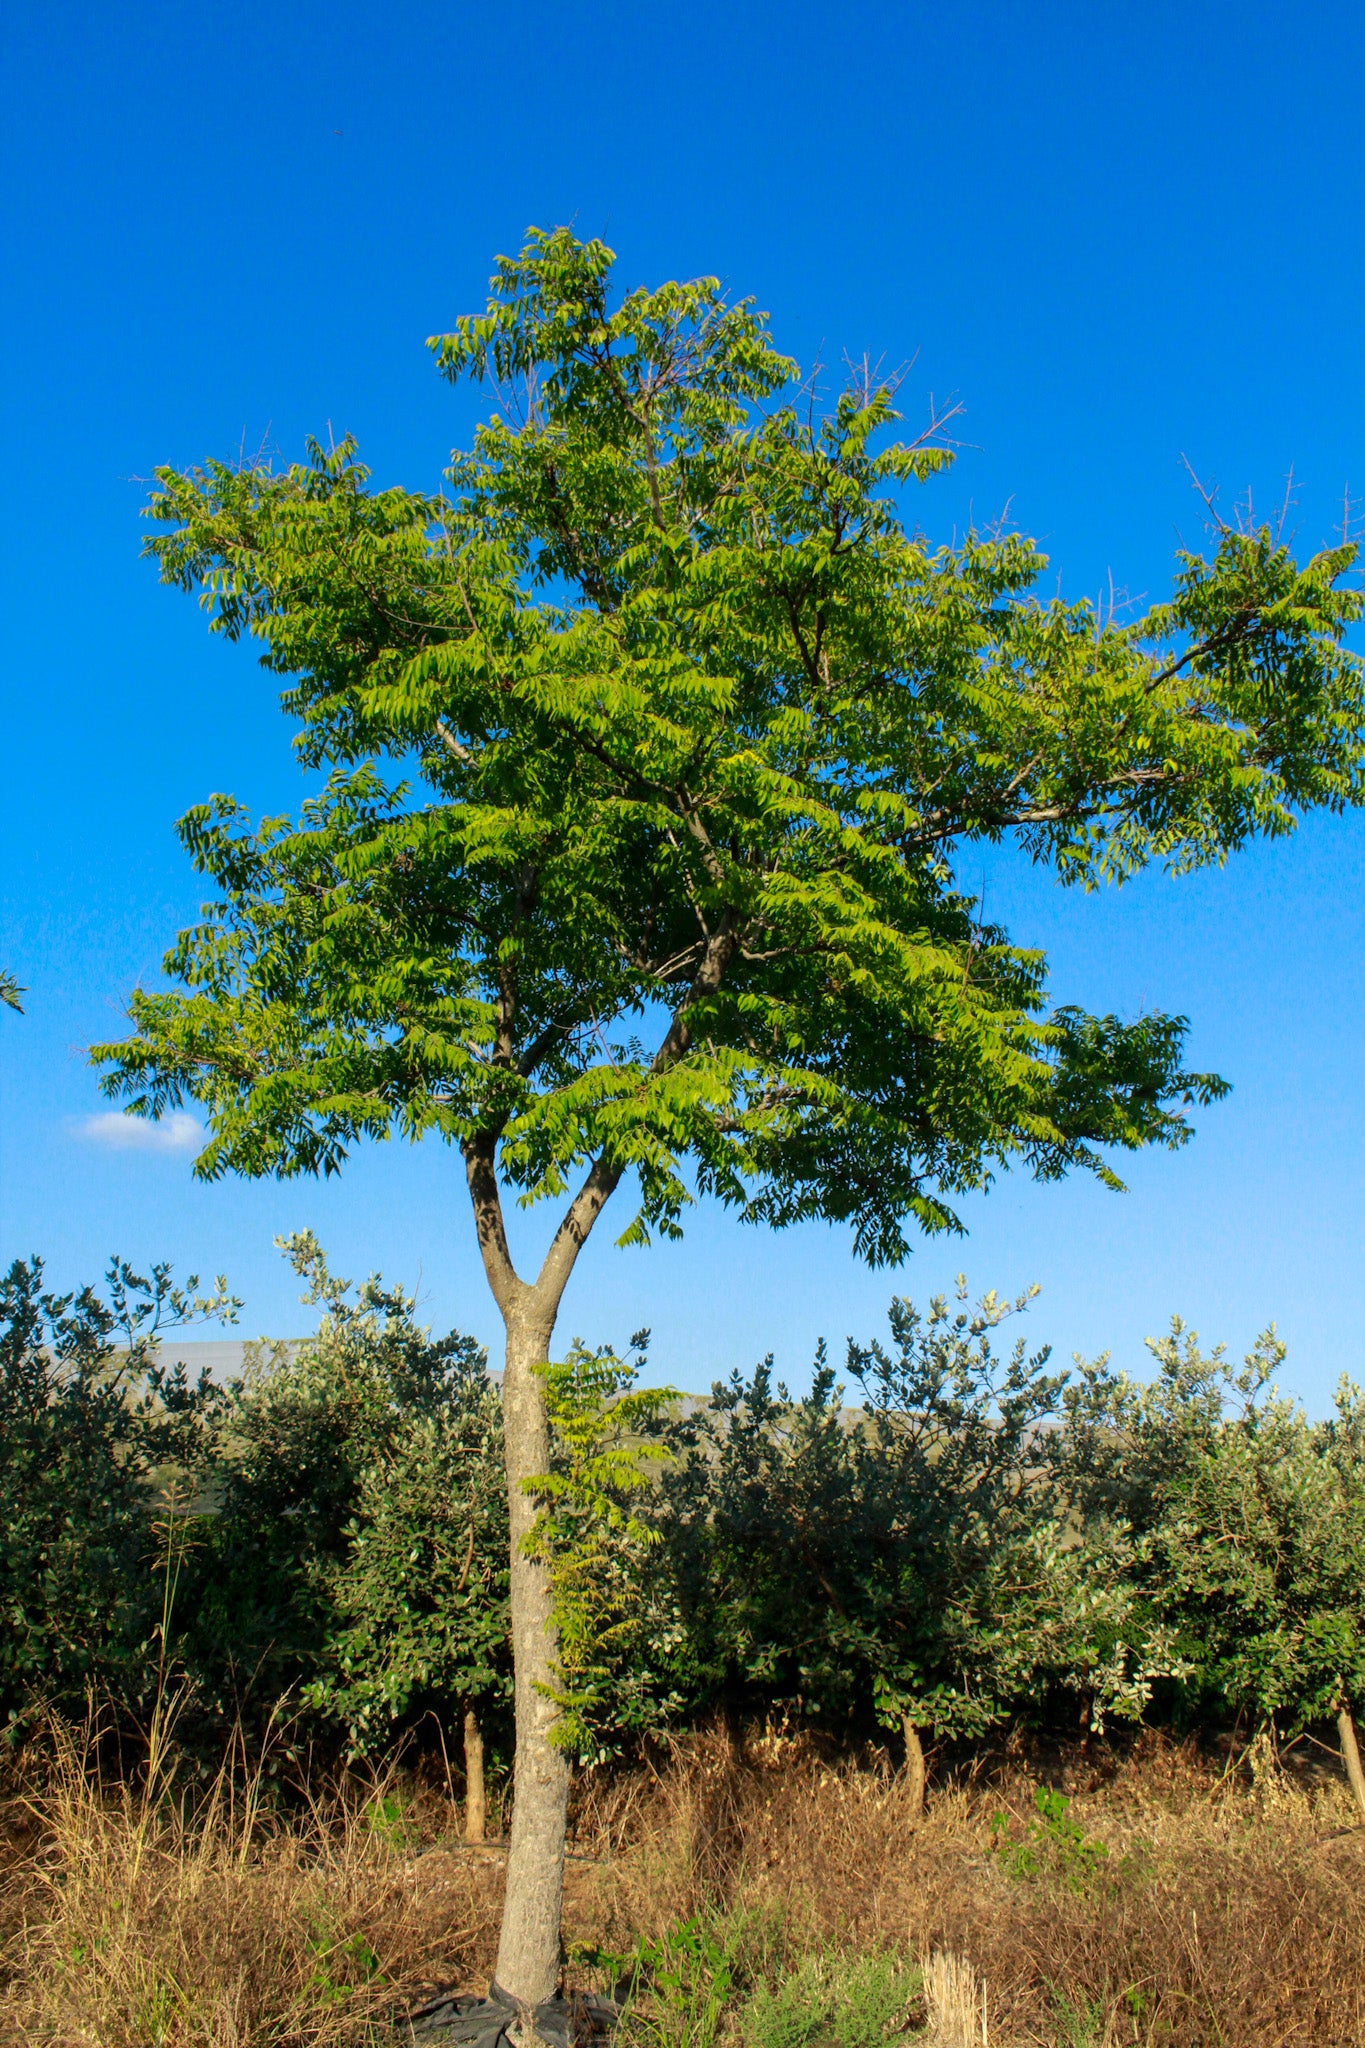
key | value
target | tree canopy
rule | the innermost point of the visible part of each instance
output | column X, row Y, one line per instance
column 651, row 746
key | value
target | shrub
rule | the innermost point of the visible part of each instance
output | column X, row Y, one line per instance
column 359, row 1554
column 910, row 1558
column 93, row 1437
column 1252, row 1521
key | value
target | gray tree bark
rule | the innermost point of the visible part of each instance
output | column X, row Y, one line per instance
column 529, row 1945
column 475, row 1795
column 915, row 1774
column 1350, row 1756
column 528, row 1948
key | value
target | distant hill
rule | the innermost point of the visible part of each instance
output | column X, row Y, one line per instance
column 222, row 1358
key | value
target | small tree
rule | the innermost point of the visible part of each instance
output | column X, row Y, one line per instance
column 698, row 728
column 360, row 1551
column 997, row 1588
column 908, row 1557
column 94, row 1433
column 1255, row 1525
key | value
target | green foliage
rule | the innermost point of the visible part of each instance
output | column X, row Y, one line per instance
column 342, row 1966
column 680, row 1986
column 388, row 1817
column 978, row 1540
column 10, row 990
column 331, row 1530
column 1054, row 1845
column 1254, row 1518
column 94, row 1436
column 607, row 1451
column 730, row 1975
column 698, row 728
column 998, row 1588
column 361, row 1544
column 907, row 1557
column 832, row 2001
column 1085, row 2026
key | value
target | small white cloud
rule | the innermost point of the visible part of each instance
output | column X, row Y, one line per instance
column 120, row 1131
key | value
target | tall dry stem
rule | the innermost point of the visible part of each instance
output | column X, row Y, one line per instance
column 171, row 1922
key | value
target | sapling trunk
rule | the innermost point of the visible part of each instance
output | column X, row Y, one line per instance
column 475, row 1798
column 914, row 1766
column 529, row 1946
column 1350, row 1756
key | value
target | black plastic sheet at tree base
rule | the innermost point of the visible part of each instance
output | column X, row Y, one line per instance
column 464, row 2020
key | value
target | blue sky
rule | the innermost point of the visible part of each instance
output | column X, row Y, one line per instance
column 1119, row 233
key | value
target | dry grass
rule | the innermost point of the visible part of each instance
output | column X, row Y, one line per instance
column 1222, row 1912
column 957, row 2010
column 157, row 1922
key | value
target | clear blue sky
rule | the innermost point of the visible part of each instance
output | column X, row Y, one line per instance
column 1119, row 233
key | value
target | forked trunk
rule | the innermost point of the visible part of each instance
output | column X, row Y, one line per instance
column 914, row 1766
column 1350, row 1756
column 475, row 1801
column 528, row 1948
column 528, row 1951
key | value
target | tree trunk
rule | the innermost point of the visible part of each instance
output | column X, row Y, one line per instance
column 475, row 1800
column 914, row 1765
column 1350, row 1756
column 528, row 1950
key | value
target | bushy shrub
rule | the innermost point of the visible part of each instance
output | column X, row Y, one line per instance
column 908, row 1558
column 977, row 1539
column 1252, row 1519
column 359, row 1557
column 94, row 1436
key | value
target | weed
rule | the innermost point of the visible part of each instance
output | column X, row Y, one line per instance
column 845, row 2001
column 161, row 1923
column 388, row 1817
column 681, row 1984
column 773, row 1900
column 1054, row 1845
column 342, row 1967
column 1082, row 2026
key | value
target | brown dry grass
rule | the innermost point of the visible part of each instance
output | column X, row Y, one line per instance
column 205, row 1922
column 1225, row 1912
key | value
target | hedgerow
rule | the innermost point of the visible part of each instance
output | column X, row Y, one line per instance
column 951, row 1539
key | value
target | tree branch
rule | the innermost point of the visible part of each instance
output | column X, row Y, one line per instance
column 452, row 745
column 572, row 1234
column 720, row 948
column 1078, row 813
column 481, row 1173
column 605, row 1176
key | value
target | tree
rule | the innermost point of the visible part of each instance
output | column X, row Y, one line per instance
column 908, row 1558
column 996, row 1587
column 94, row 1437
column 686, row 731
column 1255, row 1525
column 359, row 1550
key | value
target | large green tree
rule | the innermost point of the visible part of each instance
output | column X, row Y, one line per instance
column 686, row 733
